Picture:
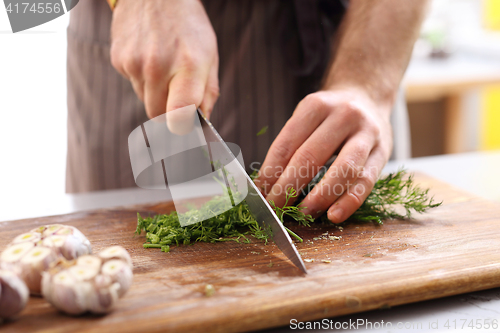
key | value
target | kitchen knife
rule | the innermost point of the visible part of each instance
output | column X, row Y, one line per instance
column 257, row 204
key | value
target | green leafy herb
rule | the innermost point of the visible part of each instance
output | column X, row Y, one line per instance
column 235, row 225
column 389, row 193
column 393, row 192
column 262, row 131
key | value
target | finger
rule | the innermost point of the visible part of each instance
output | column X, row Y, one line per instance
column 341, row 175
column 211, row 90
column 295, row 132
column 155, row 98
column 138, row 88
column 309, row 158
column 186, row 88
column 352, row 199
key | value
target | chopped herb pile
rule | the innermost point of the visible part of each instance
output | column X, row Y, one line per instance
column 395, row 190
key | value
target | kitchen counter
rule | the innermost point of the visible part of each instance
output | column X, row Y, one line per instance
column 476, row 173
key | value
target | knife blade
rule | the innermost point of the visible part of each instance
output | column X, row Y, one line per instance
column 257, row 204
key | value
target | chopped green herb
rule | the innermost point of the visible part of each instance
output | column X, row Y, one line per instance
column 238, row 223
column 262, row 131
column 209, row 290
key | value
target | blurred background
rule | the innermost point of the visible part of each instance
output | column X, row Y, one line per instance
column 453, row 82
column 452, row 88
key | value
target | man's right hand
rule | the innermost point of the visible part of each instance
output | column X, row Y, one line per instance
column 168, row 51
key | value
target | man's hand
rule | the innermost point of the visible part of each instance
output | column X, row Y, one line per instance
column 350, row 115
column 322, row 123
column 168, row 50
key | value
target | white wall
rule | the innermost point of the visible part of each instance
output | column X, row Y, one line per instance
column 32, row 113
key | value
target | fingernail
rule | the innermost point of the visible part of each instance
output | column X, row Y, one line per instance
column 336, row 215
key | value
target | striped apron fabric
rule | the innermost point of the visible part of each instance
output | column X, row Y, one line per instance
column 272, row 54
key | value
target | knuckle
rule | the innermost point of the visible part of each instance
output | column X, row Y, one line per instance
column 371, row 127
column 115, row 56
column 314, row 101
column 213, row 90
column 356, row 198
column 323, row 196
column 132, row 65
column 305, row 157
column 282, row 152
column 352, row 112
column 348, row 169
column 189, row 62
column 153, row 67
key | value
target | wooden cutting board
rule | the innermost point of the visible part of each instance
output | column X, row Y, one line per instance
column 451, row 250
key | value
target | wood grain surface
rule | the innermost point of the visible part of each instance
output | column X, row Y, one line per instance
column 452, row 249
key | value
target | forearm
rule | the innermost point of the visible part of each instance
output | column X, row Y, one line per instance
column 374, row 46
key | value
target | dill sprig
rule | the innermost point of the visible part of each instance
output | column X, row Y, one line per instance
column 393, row 192
column 388, row 195
column 235, row 225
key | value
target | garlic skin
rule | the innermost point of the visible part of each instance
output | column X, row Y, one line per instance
column 33, row 264
column 116, row 252
column 13, row 294
column 119, row 271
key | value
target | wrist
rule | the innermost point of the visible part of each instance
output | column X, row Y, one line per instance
column 380, row 88
column 380, row 98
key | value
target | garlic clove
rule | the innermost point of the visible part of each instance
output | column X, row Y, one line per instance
column 11, row 256
column 14, row 294
column 39, row 229
column 119, row 271
column 51, row 229
column 46, row 286
column 115, row 252
column 83, row 273
column 65, row 293
column 104, row 296
column 89, row 260
column 33, row 264
column 33, row 237
column 81, row 245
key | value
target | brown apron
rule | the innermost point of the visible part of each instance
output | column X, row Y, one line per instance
column 272, row 54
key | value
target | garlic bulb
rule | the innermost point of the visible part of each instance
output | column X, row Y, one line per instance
column 31, row 253
column 87, row 284
column 13, row 294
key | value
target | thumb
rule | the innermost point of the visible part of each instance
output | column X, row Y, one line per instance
column 185, row 94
